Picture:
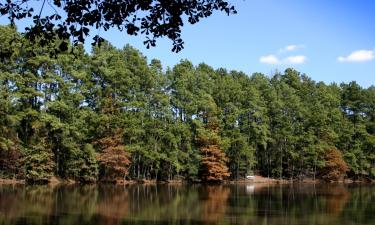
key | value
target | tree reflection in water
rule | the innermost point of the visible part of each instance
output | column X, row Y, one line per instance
column 214, row 206
column 187, row 204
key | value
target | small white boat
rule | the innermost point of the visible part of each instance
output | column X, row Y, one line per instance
column 250, row 177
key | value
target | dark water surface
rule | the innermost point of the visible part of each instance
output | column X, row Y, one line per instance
column 188, row 204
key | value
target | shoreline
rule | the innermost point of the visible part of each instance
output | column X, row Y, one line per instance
column 11, row 181
column 257, row 180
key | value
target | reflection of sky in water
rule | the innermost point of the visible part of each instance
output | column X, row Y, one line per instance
column 183, row 204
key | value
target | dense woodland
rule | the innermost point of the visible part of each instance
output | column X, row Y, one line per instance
column 112, row 114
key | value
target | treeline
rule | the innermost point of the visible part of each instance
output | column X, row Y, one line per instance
column 111, row 115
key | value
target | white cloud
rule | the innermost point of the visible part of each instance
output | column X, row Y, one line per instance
column 358, row 56
column 274, row 60
column 279, row 58
column 296, row 59
column 269, row 59
column 290, row 48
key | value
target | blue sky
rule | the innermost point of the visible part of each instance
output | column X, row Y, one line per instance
column 329, row 40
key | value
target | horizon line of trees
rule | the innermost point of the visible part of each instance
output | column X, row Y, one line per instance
column 111, row 115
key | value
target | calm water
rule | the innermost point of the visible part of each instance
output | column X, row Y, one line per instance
column 187, row 204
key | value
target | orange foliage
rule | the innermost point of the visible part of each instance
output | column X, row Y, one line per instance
column 114, row 160
column 214, row 164
column 10, row 156
column 10, row 162
column 335, row 166
column 213, row 158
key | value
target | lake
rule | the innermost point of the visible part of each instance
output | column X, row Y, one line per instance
column 257, row 204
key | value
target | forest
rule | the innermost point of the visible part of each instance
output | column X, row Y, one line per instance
column 112, row 114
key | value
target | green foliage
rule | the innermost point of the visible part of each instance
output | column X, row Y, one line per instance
column 82, row 164
column 153, row 18
column 39, row 165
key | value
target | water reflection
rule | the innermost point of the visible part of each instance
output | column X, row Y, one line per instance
column 215, row 204
column 187, row 204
